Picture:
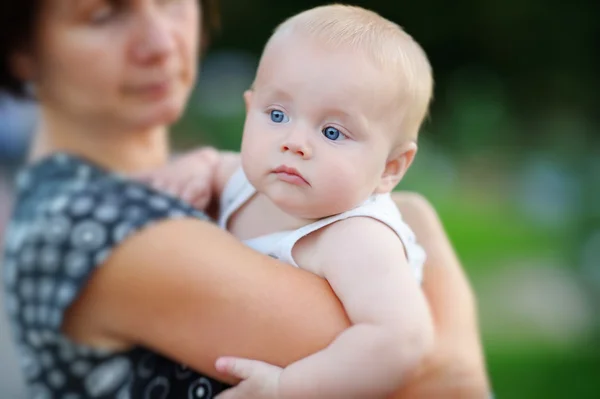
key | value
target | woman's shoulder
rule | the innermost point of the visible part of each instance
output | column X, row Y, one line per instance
column 67, row 208
column 68, row 217
column 66, row 195
column 58, row 184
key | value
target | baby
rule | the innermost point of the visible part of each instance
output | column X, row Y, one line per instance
column 331, row 128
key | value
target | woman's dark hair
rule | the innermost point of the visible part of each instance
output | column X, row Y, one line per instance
column 17, row 26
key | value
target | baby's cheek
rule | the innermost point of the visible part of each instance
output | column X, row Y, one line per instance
column 342, row 188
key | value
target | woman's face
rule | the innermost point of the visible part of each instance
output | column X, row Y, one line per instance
column 123, row 64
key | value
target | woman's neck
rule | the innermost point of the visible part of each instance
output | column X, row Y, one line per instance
column 120, row 151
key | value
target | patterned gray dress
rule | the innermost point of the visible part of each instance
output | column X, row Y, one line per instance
column 68, row 217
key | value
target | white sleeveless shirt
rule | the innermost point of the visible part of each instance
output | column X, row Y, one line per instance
column 381, row 207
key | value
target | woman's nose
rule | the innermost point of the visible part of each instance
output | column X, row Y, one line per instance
column 154, row 39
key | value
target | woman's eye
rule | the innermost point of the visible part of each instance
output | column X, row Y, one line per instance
column 333, row 134
column 163, row 2
column 102, row 14
column 279, row 116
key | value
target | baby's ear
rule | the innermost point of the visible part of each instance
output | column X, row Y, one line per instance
column 396, row 166
column 248, row 98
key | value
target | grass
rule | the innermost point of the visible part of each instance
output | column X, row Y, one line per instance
column 545, row 374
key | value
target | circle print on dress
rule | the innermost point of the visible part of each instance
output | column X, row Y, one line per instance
column 40, row 391
column 58, row 204
column 15, row 237
column 55, row 318
column 124, row 393
column 56, row 379
column 34, row 338
column 46, row 360
column 107, row 377
column 43, row 314
column 102, row 256
column 84, row 172
column 50, row 337
column 147, row 365
column 81, row 206
column 28, row 258
column 158, row 388
column 46, row 289
column 159, row 203
column 88, row 235
column 134, row 213
column 62, row 159
column 177, row 214
column 80, row 368
column 23, row 180
column 107, row 213
column 66, row 351
column 29, row 363
column 10, row 272
column 66, row 293
column 57, row 229
column 76, row 263
column 29, row 314
column 12, row 305
column 27, row 289
column 200, row 389
column 135, row 192
column 182, row 371
column 49, row 258
column 122, row 231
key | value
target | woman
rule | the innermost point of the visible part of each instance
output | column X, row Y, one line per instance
column 113, row 287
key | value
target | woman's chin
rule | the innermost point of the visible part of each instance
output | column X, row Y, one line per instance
column 164, row 115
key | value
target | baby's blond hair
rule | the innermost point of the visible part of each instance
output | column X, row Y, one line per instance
column 384, row 41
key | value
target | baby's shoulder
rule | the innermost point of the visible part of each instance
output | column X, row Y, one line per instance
column 337, row 243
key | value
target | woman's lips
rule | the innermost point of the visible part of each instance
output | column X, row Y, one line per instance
column 153, row 91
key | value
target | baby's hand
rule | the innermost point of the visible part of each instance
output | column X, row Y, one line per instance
column 260, row 380
column 189, row 177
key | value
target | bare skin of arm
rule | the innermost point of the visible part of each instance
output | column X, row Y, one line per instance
column 456, row 367
column 207, row 295
column 201, row 296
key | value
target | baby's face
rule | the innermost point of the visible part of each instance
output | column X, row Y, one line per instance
column 317, row 133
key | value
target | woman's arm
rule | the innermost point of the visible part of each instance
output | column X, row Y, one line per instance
column 193, row 292
column 456, row 367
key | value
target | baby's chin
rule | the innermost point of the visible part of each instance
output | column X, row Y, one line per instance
column 303, row 208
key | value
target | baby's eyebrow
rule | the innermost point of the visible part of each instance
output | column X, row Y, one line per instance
column 357, row 122
column 276, row 92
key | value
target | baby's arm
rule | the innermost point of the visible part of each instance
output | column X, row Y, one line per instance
column 392, row 330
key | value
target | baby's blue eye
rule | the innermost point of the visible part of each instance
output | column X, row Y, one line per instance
column 333, row 134
column 279, row 116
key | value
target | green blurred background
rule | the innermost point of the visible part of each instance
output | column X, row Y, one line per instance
column 510, row 157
